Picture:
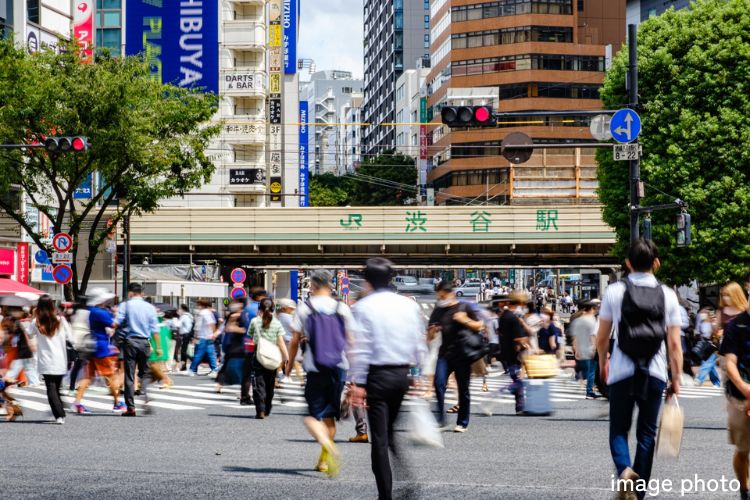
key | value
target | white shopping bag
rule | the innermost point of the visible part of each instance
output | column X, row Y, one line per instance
column 423, row 429
column 671, row 426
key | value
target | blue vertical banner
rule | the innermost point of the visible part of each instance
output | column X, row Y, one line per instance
column 178, row 39
column 84, row 191
column 289, row 22
column 304, row 167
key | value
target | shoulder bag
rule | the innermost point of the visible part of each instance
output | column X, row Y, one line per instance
column 121, row 333
column 267, row 353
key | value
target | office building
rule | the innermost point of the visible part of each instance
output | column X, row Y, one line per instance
column 349, row 145
column 397, row 38
column 408, row 96
column 530, row 55
column 640, row 10
column 326, row 93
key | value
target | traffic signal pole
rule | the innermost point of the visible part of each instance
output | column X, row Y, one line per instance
column 634, row 166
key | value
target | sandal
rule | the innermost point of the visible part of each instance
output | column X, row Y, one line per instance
column 453, row 409
column 485, row 388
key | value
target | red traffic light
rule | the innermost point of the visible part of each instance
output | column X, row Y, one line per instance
column 468, row 116
column 79, row 144
column 482, row 114
column 66, row 144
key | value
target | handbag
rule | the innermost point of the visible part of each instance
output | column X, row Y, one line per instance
column 121, row 333
column 540, row 366
column 423, row 429
column 267, row 353
column 472, row 346
column 703, row 349
column 671, row 426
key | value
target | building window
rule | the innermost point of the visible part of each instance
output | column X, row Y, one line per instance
column 346, row 90
column 580, row 5
column 553, row 90
column 651, row 12
column 398, row 40
column 426, row 22
column 108, row 4
column 110, row 19
column 398, row 4
column 427, row 41
column 399, row 20
column 32, row 11
column 519, row 34
column 510, row 8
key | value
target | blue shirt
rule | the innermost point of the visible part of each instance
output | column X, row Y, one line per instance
column 248, row 313
column 99, row 320
column 141, row 318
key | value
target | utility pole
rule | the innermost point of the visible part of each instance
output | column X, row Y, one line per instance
column 634, row 166
column 126, row 256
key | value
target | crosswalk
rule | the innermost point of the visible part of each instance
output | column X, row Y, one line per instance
column 203, row 396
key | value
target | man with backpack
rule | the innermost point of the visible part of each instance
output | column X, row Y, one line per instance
column 326, row 326
column 645, row 316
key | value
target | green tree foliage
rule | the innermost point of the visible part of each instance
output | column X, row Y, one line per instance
column 148, row 142
column 386, row 179
column 694, row 82
column 327, row 190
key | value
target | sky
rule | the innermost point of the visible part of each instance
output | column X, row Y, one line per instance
column 331, row 34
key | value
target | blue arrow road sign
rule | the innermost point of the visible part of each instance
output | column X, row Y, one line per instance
column 41, row 257
column 625, row 126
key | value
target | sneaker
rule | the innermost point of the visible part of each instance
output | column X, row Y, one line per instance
column 119, row 407
column 246, row 402
column 60, row 421
column 212, row 374
column 81, row 410
column 166, row 385
column 460, row 428
column 593, row 396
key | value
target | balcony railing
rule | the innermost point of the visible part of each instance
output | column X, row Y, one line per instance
column 244, row 34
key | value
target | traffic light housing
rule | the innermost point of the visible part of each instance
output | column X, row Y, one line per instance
column 468, row 116
column 684, row 230
column 74, row 144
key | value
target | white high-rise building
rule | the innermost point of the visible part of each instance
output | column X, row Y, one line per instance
column 408, row 98
column 349, row 141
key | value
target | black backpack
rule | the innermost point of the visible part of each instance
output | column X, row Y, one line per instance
column 641, row 330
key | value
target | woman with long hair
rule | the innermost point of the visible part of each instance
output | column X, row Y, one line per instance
column 732, row 302
column 51, row 332
column 269, row 330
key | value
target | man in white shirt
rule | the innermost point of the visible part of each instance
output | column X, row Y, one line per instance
column 638, row 308
column 387, row 343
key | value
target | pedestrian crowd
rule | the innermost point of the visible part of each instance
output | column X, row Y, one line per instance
column 631, row 348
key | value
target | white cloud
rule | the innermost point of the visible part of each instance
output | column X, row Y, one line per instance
column 331, row 34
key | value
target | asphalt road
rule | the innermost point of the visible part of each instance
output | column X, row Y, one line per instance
column 222, row 451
